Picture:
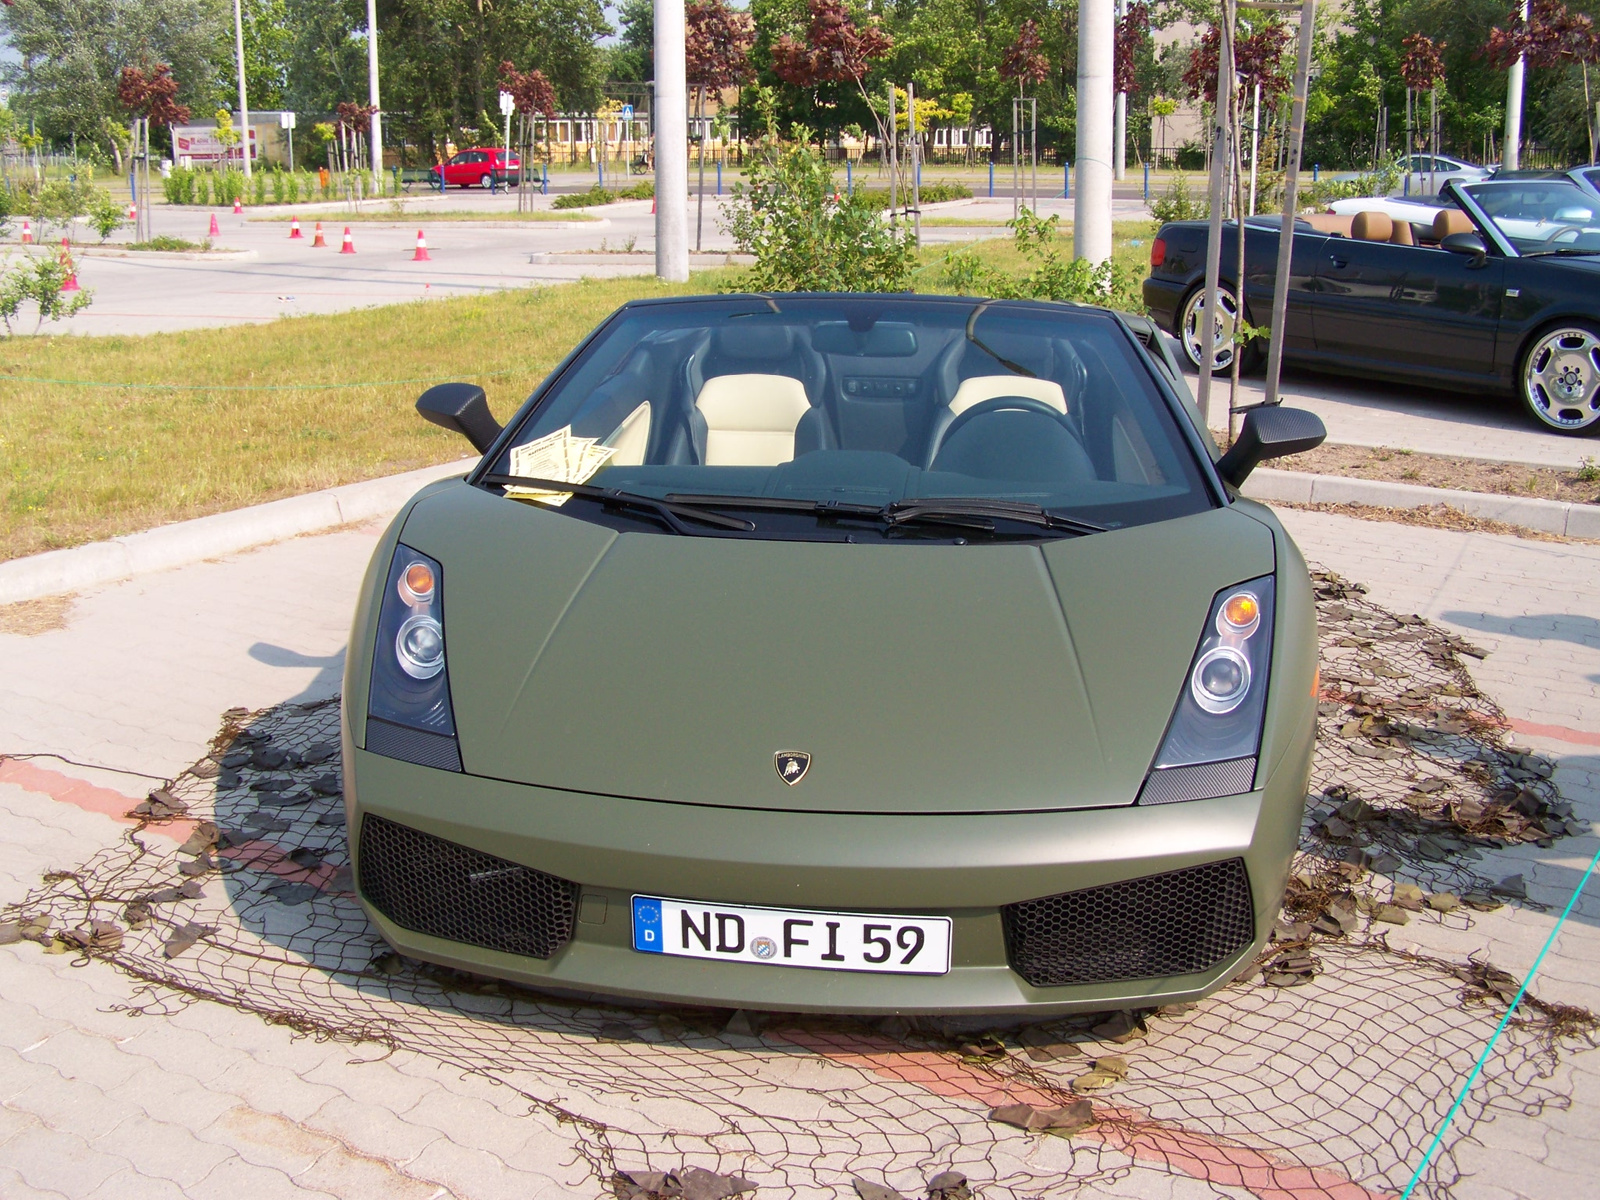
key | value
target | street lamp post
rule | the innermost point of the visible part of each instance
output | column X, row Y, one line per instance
column 671, row 119
column 244, row 102
column 1091, row 227
column 372, row 96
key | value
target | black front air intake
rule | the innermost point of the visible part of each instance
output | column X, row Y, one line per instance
column 428, row 885
column 1176, row 923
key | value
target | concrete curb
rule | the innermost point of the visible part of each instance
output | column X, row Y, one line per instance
column 228, row 533
column 1548, row 516
column 185, row 542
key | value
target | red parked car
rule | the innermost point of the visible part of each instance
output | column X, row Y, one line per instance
column 485, row 168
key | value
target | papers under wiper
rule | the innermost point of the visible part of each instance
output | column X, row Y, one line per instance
column 557, row 456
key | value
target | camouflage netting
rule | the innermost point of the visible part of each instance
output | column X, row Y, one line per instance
column 1333, row 1059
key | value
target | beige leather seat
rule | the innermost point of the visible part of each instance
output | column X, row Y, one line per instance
column 1402, row 235
column 987, row 387
column 631, row 439
column 1330, row 223
column 750, row 420
column 1372, row 227
column 1451, row 220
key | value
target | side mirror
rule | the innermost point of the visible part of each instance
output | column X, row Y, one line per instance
column 461, row 408
column 1270, row 432
column 1465, row 243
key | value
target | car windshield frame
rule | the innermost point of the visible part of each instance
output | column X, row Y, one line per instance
column 1175, row 472
column 1527, row 229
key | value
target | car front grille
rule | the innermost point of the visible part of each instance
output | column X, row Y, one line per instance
column 428, row 885
column 1176, row 923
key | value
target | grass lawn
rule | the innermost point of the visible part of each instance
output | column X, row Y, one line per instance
column 409, row 216
column 302, row 403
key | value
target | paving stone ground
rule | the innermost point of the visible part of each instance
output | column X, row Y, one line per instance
column 205, row 1100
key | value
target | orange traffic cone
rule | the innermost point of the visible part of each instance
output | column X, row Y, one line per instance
column 319, row 243
column 71, row 285
column 238, row 208
column 349, row 246
column 652, row 204
column 215, row 232
column 27, row 232
column 422, row 249
column 294, row 228
column 133, row 211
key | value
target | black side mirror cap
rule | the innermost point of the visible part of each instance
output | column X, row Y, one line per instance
column 461, row 408
column 1470, row 244
column 1270, row 432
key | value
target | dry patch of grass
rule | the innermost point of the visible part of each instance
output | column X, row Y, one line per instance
column 1432, row 516
column 263, row 411
column 29, row 618
column 1575, row 486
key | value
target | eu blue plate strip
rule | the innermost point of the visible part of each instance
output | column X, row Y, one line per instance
column 647, row 924
column 1499, row 1029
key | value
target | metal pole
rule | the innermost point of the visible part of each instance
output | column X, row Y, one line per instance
column 700, row 186
column 916, row 162
column 1119, row 134
column 1255, row 141
column 372, row 98
column 1016, row 137
column 1091, row 229
column 1511, row 152
column 1219, row 170
column 894, row 159
column 244, row 102
column 1033, row 153
column 671, row 119
column 1291, row 177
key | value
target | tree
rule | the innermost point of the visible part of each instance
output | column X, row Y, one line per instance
column 716, row 55
column 70, row 55
column 1551, row 36
column 633, row 58
column 1132, row 32
column 151, row 95
column 1023, row 62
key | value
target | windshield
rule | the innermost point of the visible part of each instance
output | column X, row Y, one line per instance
column 864, row 402
column 1540, row 215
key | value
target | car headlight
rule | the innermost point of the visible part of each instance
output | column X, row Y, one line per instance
column 1214, row 738
column 408, row 706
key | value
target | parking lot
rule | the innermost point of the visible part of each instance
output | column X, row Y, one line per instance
column 253, row 1034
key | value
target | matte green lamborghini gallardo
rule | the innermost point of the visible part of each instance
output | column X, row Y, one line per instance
column 838, row 653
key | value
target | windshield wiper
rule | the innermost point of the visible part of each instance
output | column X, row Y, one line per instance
column 964, row 512
column 980, row 512
column 1560, row 250
column 672, row 515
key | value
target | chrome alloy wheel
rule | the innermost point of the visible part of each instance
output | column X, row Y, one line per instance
column 1226, row 320
column 1561, row 379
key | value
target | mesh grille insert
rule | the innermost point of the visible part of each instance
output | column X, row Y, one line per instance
column 1175, row 923
column 428, row 885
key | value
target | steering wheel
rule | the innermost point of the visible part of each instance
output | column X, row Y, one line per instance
column 1002, row 404
column 1564, row 229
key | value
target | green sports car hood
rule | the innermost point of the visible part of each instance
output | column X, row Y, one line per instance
column 919, row 677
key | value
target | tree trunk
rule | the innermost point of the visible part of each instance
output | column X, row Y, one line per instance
column 700, row 134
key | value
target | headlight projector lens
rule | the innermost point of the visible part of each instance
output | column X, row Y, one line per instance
column 1221, row 679
column 419, row 645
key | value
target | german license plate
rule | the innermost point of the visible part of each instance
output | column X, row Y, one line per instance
column 826, row 941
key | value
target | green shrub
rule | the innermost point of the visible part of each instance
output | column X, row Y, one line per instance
column 644, row 190
column 1050, row 277
column 807, row 237
column 163, row 242
column 105, row 214
column 595, row 195
column 38, row 280
column 1380, row 181
column 1179, row 203
column 260, row 188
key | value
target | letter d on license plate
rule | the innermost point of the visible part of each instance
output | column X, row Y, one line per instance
column 781, row 937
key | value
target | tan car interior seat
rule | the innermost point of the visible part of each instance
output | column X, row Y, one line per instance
column 1450, row 220
column 1402, row 235
column 1372, row 227
column 750, row 420
column 979, row 388
column 1331, row 223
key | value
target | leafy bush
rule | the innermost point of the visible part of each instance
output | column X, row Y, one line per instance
column 163, row 242
column 807, row 237
column 644, row 190
column 1380, row 181
column 595, row 195
column 261, row 187
column 38, row 280
column 933, row 193
column 1178, row 203
column 1051, row 277
column 105, row 214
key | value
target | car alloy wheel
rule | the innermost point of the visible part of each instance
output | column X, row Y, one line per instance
column 1561, row 379
column 486, row 182
column 1193, row 332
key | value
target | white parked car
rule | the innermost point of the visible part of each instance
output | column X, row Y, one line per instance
column 1425, row 174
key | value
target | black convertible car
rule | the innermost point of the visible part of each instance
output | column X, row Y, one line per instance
column 1495, row 287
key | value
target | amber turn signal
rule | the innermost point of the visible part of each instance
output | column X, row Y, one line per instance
column 416, row 584
column 1240, row 615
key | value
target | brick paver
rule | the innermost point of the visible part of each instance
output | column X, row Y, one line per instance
column 197, row 1099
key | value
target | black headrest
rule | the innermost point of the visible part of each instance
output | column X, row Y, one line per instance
column 752, row 340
